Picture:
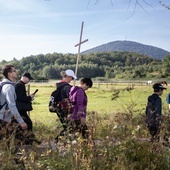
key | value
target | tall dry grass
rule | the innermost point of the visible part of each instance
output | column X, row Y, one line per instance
column 119, row 138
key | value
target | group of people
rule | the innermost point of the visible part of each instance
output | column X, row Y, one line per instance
column 15, row 104
column 76, row 121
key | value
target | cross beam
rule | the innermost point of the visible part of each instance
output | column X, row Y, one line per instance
column 79, row 46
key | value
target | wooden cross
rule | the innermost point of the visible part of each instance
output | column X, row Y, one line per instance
column 79, row 45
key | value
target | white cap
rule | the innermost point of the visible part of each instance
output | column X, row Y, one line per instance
column 70, row 73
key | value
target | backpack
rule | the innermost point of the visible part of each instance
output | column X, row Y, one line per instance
column 66, row 107
column 1, row 85
column 56, row 99
column 168, row 98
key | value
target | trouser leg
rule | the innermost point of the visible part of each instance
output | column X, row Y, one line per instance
column 27, row 120
column 77, row 127
column 63, row 119
column 154, row 131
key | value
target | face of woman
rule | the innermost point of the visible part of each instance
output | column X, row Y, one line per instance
column 84, row 86
column 68, row 79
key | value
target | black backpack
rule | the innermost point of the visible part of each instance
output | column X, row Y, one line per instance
column 1, row 85
column 55, row 99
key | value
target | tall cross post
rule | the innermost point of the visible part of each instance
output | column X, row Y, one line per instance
column 28, row 93
column 79, row 46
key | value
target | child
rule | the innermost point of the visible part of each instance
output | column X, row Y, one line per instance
column 154, row 111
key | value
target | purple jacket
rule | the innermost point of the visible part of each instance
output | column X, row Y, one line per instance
column 79, row 99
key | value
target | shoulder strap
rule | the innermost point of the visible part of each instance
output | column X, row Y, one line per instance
column 2, row 84
column 62, row 86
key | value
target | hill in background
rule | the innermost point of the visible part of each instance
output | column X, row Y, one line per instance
column 130, row 46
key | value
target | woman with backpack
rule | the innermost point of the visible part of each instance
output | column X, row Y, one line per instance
column 64, row 88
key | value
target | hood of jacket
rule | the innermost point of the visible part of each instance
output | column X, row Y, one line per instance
column 153, row 98
column 74, row 89
column 60, row 84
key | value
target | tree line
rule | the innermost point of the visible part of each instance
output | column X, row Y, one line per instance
column 106, row 65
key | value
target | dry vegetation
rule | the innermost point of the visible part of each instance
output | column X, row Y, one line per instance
column 119, row 138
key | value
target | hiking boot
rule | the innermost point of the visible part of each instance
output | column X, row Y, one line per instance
column 56, row 139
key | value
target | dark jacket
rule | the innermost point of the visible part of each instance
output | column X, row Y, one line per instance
column 21, row 94
column 79, row 99
column 23, row 101
column 153, row 110
column 65, row 89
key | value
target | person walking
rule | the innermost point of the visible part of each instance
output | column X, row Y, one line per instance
column 8, row 100
column 154, row 112
column 79, row 100
column 24, row 102
column 64, row 86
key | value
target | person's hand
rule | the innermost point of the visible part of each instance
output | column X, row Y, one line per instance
column 79, row 113
column 69, row 117
column 24, row 126
column 83, row 121
column 32, row 97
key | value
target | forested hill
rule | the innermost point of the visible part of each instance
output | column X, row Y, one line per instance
column 113, row 65
column 130, row 46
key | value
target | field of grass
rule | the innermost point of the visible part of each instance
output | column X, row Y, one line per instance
column 119, row 138
column 101, row 99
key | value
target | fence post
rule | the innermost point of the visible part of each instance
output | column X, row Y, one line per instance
column 28, row 93
column 98, row 85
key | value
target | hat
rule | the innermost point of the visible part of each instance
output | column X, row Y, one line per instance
column 70, row 73
column 28, row 75
column 158, row 86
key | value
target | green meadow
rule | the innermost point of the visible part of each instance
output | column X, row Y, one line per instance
column 118, row 140
column 102, row 98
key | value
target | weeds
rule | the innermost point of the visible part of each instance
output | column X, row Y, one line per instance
column 114, row 144
column 117, row 142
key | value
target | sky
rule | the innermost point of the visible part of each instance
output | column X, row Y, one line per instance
column 32, row 27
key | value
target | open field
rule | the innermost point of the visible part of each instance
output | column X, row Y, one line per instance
column 99, row 100
column 119, row 139
column 130, row 100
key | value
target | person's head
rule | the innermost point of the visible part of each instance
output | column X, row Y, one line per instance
column 9, row 72
column 68, row 75
column 26, row 77
column 158, row 88
column 86, row 83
